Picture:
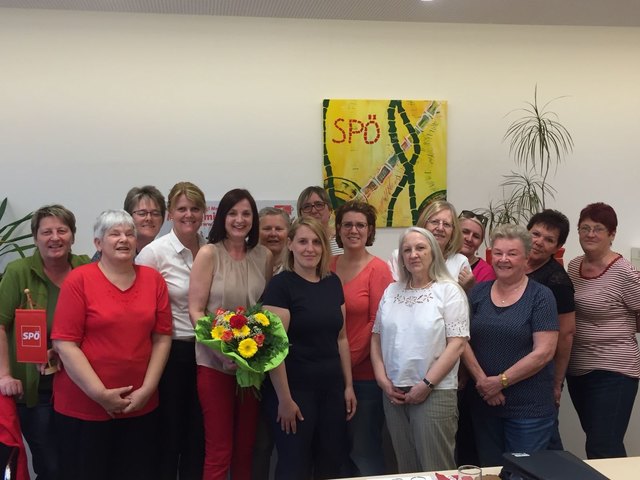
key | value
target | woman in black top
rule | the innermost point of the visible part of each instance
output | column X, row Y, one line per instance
column 311, row 394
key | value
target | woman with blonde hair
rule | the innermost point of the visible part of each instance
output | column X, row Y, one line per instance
column 181, row 432
column 310, row 394
column 441, row 220
column 421, row 329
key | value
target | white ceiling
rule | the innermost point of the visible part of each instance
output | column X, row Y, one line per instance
column 614, row 13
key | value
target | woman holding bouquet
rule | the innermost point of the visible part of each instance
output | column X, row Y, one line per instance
column 364, row 278
column 311, row 394
column 181, row 430
column 230, row 271
column 112, row 330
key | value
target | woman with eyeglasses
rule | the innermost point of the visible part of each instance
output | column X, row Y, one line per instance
column 147, row 208
column 441, row 220
column 364, row 278
column 472, row 227
column 314, row 202
column 420, row 331
column 604, row 366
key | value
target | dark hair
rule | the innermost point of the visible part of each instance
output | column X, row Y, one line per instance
column 218, row 231
column 367, row 210
column 58, row 211
column 189, row 190
column 552, row 219
column 138, row 193
column 307, row 192
column 601, row 213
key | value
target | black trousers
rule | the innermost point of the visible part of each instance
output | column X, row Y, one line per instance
column 181, row 435
column 320, row 446
column 125, row 448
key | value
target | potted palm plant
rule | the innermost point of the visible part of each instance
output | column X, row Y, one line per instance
column 538, row 143
column 10, row 241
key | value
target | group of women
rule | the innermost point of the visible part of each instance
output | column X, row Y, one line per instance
column 136, row 397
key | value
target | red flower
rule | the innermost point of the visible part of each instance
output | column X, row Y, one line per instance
column 240, row 310
column 238, row 321
column 220, row 311
column 259, row 339
column 226, row 336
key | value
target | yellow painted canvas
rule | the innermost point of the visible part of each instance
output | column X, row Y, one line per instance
column 391, row 153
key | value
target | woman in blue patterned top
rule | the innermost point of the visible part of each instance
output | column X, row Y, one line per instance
column 514, row 331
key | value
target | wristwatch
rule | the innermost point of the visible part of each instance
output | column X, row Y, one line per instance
column 504, row 380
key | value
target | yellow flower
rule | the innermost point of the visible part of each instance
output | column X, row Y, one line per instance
column 216, row 333
column 228, row 316
column 262, row 319
column 241, row 332
column 247, row 348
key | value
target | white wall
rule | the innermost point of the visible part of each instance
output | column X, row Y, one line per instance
column 94, row 103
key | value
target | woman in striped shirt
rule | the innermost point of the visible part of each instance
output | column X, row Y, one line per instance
column 605, row 360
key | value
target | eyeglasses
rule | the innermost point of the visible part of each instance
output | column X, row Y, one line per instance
column 597, row 230
column 437, row 223
column 308, row 207
column 360, row 226
column 473, row 215
column 145, row 213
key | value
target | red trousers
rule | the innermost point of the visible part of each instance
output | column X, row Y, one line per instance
column 230, row 419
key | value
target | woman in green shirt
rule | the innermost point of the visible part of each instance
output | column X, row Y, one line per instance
column 53, row 228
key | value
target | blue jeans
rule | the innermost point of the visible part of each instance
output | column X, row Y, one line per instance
column 365, row 430
column 496, row 435
column 38, row 428
column 604, row 401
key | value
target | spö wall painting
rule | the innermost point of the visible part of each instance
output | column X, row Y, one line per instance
column 391, row 153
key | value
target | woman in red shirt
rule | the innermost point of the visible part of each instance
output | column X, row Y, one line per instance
column 112, row 330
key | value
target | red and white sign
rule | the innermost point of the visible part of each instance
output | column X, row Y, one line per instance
column 31, row 336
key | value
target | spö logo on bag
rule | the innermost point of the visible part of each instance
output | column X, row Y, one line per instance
column 31, row 336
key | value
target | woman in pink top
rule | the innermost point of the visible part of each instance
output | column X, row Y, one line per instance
column 364, row 278
column 472, row 226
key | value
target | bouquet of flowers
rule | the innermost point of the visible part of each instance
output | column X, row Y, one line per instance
column 255, row 339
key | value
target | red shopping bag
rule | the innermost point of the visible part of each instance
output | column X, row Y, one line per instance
column 31, row 336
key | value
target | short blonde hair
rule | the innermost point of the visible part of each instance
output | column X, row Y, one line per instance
column 512, row 232
column 189, row 190
column 316, row 227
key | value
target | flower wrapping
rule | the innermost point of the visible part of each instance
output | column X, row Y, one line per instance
column 254, row 339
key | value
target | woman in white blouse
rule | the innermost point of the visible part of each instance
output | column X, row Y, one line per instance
column 421, row 329
column 441, row 220
column 181, row 434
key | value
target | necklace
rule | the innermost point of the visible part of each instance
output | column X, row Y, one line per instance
column 503, row 297
column 427, row 285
